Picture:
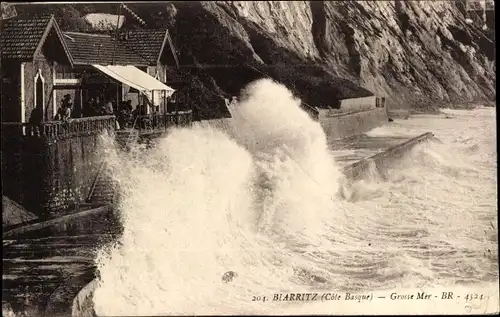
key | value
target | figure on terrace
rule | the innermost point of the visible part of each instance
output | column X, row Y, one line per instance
column 64, row 112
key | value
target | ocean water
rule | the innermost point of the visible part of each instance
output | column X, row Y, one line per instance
column 263, row 201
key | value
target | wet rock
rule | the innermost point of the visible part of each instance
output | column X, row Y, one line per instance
column 13, row 213
column 83, row 305
column 229, row 276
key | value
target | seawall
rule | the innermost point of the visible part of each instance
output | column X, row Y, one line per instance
column 358, row 104
column 381, row 161
column 51, row 168
column 51, row 175
column 344, row 125
column 354, row 117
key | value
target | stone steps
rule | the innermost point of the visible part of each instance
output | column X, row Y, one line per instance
column 104, row 189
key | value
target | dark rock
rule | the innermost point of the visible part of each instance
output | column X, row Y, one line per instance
column 229, row 276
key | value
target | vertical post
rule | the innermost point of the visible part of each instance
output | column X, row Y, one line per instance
column 54, row 91
column 81, row 101
column 177, row 110
column 23, row 105
column 165, row 109
column 118, row 88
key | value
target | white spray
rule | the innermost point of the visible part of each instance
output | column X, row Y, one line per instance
column 202, row 203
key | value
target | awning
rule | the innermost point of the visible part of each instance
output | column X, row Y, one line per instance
column 136, row 78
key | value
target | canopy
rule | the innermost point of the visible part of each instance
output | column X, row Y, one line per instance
column 136, row 78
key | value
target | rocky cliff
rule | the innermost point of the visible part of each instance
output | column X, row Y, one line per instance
column 417, row 53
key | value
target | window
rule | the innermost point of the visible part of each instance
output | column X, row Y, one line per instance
column 39, row 90
column 64, row 72
column 65, row 75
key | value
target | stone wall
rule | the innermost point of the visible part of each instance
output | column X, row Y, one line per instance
column 398, row 113
column 344, row 125
column 22, row 170
column 48, row 178
column 358, row 104
column 336, row 125
column 72, row 165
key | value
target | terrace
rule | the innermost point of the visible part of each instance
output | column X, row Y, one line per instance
column 54, row 130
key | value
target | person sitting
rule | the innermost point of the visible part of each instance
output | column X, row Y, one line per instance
column 64, row 112
column 121, row 114
column 90, row 110
column 108, row 108
column 128, row 105
column 144, row 120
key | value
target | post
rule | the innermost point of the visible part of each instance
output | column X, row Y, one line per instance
column 23, row 106
column 118, row 87
column 165, row 109
column 177, row 112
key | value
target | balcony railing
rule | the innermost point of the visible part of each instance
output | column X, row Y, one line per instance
column 158, row 121
column 59, row 129
column 53, row 130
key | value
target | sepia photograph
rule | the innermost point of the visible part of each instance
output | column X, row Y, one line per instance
column 182, row 158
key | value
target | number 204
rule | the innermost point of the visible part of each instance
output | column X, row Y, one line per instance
column 258, row 298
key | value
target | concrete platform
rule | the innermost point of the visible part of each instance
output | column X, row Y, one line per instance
column 34, row 269
column 351, row 150
column 41, row 258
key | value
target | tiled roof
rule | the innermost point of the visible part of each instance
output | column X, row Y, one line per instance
column 21, row 36
column 88, row 49
column 147, row 43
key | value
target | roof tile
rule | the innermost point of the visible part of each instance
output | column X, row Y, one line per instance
column 146, row 43
column 21, row 36
column 88, row 49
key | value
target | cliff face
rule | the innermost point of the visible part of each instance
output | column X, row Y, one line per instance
column 417, row 53
column 413, row 52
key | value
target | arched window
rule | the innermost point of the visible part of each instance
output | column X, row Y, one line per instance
column 39, row 90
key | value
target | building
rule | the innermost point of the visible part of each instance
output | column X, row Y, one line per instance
column 52, row 166
column 157, row 49
column 31, row 49
column 85, row 79
column 41, row 64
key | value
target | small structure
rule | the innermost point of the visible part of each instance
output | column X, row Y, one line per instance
column 40, row 63
column 111, row 70
column 31, row 49
column 156, row 48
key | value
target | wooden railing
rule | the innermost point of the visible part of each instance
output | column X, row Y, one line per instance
column 160, row 121
column 59, row 129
